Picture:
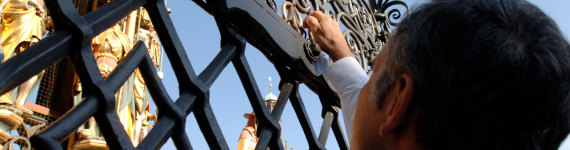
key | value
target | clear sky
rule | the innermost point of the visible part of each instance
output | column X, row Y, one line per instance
column 201, row 40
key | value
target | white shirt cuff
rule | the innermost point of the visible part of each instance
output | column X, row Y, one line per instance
column 346, row 73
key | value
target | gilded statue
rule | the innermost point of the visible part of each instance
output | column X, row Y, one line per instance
column 132, row 98
column 248, row 139
column 23, row 24
column 109, row 48
column 147, row 34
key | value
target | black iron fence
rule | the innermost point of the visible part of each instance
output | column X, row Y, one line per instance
column 239, row 21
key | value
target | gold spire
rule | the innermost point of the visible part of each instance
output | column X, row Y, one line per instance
column 269, row 84
column 270, row 95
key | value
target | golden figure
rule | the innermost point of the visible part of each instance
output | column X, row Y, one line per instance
column 109, row 48
column 23, row 24
column 21, row 20
column 147, row 34
column 247, row 138
column 133, row 98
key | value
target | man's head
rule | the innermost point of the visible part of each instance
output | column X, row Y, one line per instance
column 469, row 74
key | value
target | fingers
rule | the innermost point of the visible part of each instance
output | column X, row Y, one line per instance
column 320, row 16
column 326, row 32
column 312, row 23
column 314, row 20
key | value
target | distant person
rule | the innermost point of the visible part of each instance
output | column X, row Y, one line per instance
column 457, row 74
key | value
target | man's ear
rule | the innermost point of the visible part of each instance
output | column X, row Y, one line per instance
column 402, row 92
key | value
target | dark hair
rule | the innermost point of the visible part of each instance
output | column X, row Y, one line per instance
column 488, row 74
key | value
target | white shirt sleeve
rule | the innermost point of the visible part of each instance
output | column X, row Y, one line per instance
column 348, row 77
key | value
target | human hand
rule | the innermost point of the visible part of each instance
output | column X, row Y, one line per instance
column 326, row 32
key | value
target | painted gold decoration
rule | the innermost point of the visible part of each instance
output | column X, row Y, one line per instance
column 132, row 98
column 23, row 24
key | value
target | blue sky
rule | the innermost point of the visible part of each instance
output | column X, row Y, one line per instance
column 201, row 40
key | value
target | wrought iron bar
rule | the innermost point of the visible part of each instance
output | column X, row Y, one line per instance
column 173, row 48
column 326, row 127
column 339, row 135
column 299, row 107
column 244, row 72
column 268, row 134
column 209, row 126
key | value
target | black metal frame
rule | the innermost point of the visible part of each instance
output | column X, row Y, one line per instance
column 237, row 20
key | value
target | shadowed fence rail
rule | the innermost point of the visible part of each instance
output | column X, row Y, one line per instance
column 297, row 60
